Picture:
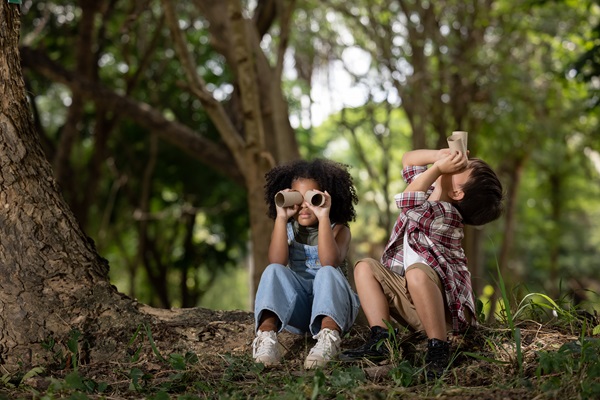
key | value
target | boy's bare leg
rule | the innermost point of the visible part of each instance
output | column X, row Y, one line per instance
column 429, row 303
column 376, row 308
column 372, row 298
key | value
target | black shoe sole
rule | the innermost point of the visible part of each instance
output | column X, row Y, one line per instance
column 343, row 357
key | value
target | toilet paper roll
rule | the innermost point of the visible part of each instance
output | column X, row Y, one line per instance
column 288, row 199
column 314, row 198
column 458, row 141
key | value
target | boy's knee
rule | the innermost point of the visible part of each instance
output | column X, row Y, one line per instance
column 416, row 277
column 362, row 269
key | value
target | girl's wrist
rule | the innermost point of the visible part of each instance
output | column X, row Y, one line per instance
column 281, row 218
column 324, row 220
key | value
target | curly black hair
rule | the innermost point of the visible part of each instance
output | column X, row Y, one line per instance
column 331, row 176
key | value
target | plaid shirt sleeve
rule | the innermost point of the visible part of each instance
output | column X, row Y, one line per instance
column 412, row 199
column 411, row 172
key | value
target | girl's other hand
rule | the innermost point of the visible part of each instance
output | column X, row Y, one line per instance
column 321, row 211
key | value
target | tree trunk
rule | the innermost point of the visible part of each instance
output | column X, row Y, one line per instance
column 54, row 284
column 53, row 280
column 258, row 127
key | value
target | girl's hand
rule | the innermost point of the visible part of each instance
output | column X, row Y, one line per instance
column 287, row 212
column 321, row 211
column 452, row 163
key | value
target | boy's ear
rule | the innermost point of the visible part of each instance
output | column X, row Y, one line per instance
column 456, row 195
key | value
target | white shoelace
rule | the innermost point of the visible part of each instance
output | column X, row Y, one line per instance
column 325, row 340
column 263, row 344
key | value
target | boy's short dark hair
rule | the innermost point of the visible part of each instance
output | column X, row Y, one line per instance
column 483, row 195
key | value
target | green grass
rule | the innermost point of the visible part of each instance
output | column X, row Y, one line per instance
column 541, row 349
column 571, row 371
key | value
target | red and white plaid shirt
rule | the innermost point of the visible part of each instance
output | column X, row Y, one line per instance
column 435, row 232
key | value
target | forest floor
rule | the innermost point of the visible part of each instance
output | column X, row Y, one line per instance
column 208, row 355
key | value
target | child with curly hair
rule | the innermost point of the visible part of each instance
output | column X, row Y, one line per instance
column 305, row 288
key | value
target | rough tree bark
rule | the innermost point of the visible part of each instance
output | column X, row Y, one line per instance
column 53, row 281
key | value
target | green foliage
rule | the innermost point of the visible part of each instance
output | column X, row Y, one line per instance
column 73, row 346
column 139, row 62
column 516, row 332
column 527, row 112
column 404, row 374
column 575, row 365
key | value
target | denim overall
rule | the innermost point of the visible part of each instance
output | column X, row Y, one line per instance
column 302, row 293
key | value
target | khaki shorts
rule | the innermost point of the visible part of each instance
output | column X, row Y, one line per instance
column 396, row 291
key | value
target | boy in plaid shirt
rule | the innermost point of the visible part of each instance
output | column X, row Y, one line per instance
column 422, row 280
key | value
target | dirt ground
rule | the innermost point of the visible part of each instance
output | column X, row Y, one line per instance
column 213, row 336
column 233, row 332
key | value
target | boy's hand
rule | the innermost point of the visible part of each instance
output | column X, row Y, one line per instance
column 442, row 153
column 451, row 162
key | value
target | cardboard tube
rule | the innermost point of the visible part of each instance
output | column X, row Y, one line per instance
column 314, row 198
column 456, row 144
column 458, row 141
column 288, row 199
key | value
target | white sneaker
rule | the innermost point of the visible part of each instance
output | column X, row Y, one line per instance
column 326, row 349
column 266, row 349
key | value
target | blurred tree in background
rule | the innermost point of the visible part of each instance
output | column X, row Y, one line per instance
column 159, row 132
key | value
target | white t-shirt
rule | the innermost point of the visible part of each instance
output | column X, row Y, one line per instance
column 410, row 256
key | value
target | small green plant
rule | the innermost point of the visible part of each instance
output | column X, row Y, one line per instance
column 516, row 332
column 135, row 354
column 12, row 380
column 181, row 362
column 392, row 342
column 139, row 379
column 345, row 379
column 73, row 346
column 529, row 302
column 404, row 374
column 83, row 384
column 573, row 366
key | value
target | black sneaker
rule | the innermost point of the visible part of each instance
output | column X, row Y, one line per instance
column 437, row 358
column 374, row 349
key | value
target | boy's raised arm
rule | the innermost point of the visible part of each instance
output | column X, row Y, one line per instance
column 444, row 162
column 422, row 157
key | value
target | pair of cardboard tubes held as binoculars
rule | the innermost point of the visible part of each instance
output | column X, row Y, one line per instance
column 458, row 141
column 293, row 197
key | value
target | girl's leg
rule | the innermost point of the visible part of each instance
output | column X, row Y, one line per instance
column 335, row 305
column 282, row 300
column 329, row 323
column 268, row 321
column 277, row 299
